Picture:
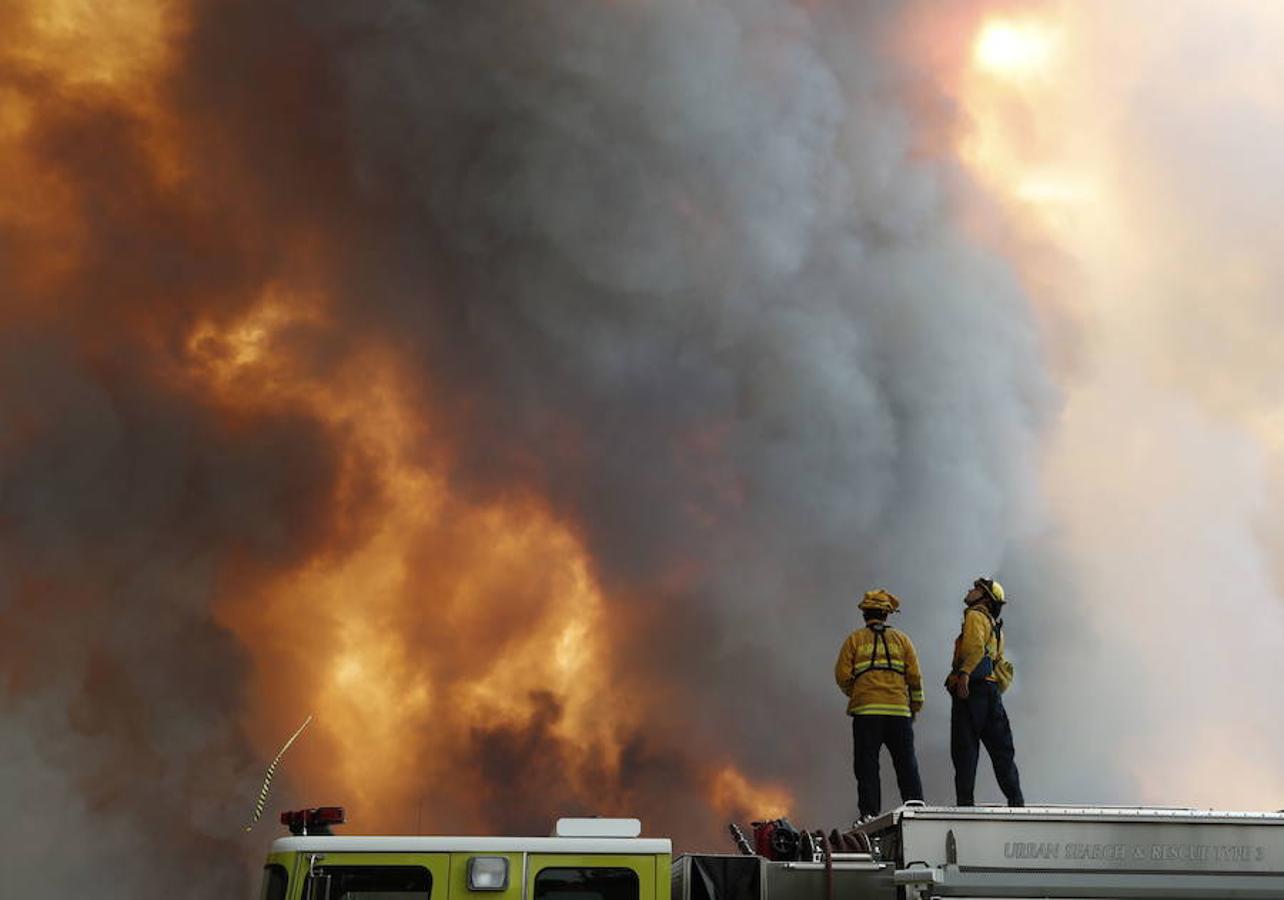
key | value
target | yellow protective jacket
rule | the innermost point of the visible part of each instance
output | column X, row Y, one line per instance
column 877, row 669
column 980, row 643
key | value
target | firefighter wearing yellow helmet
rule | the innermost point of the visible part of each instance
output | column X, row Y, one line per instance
column 877, row 669
column 978, row 677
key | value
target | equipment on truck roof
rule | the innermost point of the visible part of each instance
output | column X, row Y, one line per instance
column 919, row 852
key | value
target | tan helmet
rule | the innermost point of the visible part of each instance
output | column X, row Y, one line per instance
column 881, row 600
column 991, row 588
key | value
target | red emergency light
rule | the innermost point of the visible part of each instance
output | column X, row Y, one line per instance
column 312, row 821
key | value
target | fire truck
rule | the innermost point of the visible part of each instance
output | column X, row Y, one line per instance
column 914, row 852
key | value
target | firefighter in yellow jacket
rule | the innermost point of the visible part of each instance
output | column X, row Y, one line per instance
column 979, row 676
column 877, row 669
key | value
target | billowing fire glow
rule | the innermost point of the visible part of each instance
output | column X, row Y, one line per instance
column 444, row 629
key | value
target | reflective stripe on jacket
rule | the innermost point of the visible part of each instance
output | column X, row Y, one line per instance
column 877, row 669
column 979, row 644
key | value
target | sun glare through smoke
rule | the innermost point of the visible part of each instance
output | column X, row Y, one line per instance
column 1012, row 49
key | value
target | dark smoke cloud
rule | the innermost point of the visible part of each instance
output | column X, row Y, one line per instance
column 124, row 510
column 670, row 265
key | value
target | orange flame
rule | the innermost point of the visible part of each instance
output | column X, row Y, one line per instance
column 735, row 797
column 364, row 633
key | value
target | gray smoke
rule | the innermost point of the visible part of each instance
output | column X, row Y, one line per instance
column 124, row 511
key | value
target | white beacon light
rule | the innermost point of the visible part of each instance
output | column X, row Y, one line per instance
column 487, row 873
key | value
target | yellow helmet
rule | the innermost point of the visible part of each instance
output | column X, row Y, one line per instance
column 881, row 600
column 991, row 589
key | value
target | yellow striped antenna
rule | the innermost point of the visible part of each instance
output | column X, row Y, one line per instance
column 267, row 780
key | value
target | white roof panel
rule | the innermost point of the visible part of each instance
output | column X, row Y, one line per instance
column 598, row 827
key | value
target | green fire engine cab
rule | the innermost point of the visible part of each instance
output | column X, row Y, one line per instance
column 585, row 859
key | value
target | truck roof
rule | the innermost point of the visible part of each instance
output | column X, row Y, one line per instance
column 433, row 844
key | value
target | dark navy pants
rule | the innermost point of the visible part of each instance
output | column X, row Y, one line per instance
column 869, row 735
column 981, row 719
